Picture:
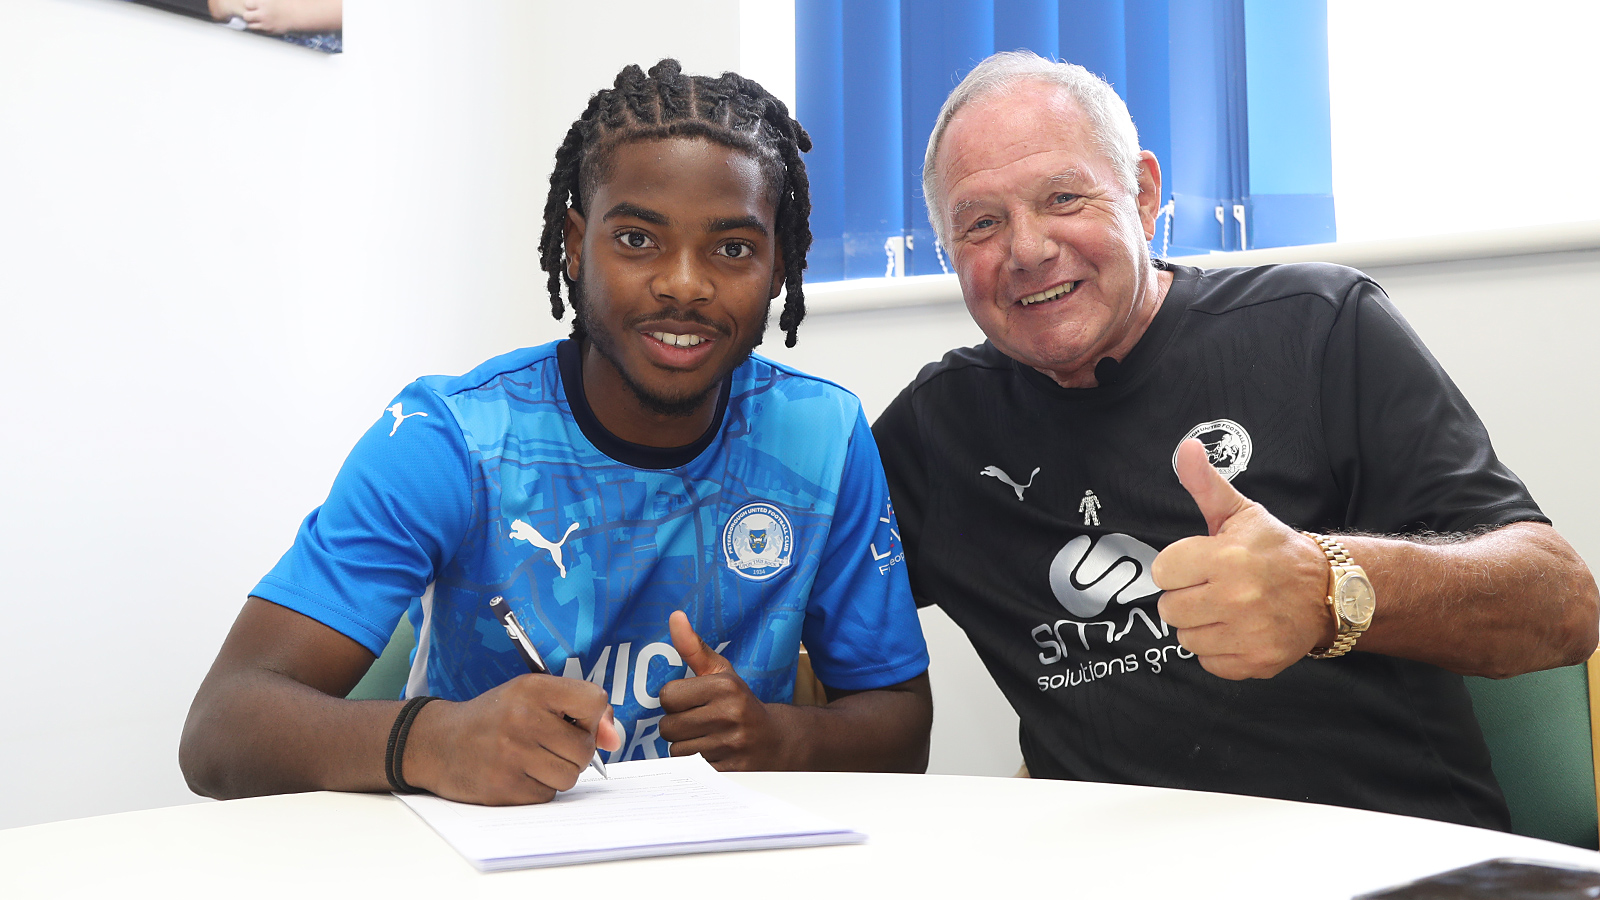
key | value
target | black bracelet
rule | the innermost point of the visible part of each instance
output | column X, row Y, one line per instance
column 393, row 758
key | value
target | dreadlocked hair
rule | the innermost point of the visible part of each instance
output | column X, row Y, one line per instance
column 730, row 110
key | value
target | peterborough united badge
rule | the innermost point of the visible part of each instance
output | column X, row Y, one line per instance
column 1227, row 446
column 758, row 541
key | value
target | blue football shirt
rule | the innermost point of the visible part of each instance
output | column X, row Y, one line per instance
column 774, row 528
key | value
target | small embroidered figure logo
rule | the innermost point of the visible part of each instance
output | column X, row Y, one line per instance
column 401, row 415
column 522, row 531
column 1090, row 507
column 997, row 472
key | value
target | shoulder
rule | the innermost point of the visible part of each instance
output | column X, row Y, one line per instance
column 760, row 379
column 946, row 393
column 963, row 363
column 493, row 373
column 1221, row 291
column 523, row 386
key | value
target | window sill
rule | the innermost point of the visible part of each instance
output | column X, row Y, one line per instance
column 866, row 294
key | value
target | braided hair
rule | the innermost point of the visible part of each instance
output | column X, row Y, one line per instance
column 730, row 110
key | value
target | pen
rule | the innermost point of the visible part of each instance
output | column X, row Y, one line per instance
column 531, row 657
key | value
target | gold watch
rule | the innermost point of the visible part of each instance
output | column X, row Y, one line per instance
column 1350, row 598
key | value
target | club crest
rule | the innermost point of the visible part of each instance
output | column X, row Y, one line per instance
column 758, row 541
column 1227, row 446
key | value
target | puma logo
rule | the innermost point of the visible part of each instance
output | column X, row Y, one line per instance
column 401, row 415
column 996, row 472
column 522, row 531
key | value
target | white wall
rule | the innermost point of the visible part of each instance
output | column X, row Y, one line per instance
column 220, row 255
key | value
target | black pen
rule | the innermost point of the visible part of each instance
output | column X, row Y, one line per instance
column 531, row 657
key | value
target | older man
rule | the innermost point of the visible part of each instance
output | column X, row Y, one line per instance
column 1301, row 463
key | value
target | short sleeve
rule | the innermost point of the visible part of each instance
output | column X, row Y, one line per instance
column 1406, row 447
column 900, row 442
column 397, row 511
column 861, row 627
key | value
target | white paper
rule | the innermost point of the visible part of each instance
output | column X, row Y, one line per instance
column 653, row 807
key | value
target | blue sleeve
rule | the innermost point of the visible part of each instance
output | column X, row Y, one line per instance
column 396, row 513
column 861, row 626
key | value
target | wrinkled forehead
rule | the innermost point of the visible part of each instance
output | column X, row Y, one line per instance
column 1020, row 127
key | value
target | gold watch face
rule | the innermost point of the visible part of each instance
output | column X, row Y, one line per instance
column 1355, row 598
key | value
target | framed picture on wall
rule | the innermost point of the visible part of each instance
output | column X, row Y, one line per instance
column 318, row 24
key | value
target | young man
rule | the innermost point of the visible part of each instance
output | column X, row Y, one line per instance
column 647, row 470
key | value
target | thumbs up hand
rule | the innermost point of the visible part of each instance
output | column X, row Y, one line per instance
column 696, row 653
column 715, row 713
column 1248, row 598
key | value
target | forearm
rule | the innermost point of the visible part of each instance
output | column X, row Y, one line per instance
column 264, row 733
column 223, row 10
column 1514, row 600
column 321, row 15
column 868, row 731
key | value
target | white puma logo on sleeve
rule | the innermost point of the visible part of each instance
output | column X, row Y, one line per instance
column 401, row 415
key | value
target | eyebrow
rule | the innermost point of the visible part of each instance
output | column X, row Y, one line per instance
column 1070, row 176
column 732, row 223
column 735, row 223
column 635, row 211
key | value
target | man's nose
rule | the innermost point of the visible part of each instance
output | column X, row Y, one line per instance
column 1032, row 245
column 683, row 278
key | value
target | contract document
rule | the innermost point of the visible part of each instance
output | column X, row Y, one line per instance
column 653, row 807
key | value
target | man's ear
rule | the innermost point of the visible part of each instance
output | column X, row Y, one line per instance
column 574, row 243
column 777, row 273
column 1149, row 192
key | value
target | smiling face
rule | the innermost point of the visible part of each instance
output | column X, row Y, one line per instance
column 1050, row 248
column 677, row 263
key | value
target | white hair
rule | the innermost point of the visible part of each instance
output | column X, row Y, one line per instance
column 1111, row 126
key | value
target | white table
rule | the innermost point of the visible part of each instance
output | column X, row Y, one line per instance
column 930, row 836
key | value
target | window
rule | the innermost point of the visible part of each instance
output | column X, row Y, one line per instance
column 1231, row 96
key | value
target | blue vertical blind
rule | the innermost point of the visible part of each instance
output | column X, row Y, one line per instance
column 1230, row 95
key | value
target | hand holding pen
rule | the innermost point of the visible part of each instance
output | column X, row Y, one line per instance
column 530, row 657
column 523, row 741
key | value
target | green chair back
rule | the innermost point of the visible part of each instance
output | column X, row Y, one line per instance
column 1538, row 727
column 387, row 677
